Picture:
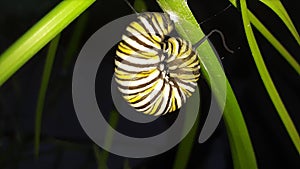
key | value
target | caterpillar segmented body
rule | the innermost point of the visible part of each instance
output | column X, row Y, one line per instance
column 155, row 73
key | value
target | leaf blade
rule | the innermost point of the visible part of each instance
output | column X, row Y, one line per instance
column 39, row 35
column 276, row 44
column 242, row 151
column 279, row 9
column 43, row 90
column 267, row 80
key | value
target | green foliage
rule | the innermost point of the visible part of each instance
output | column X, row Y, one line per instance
column 188, row 28
column 101, row 157
column 267, row 80
column 39, row 35
column 43, row 90
column 185, row 148
column 276, row 44
column 279, row 9
column 73, row 46
column 140, row 6
column 63, row 14
column 126, row 164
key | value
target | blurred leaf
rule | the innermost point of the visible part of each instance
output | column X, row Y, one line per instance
column 279, row 9
column 140, row 6
column 126, row 164
column 267, row 80
column 101, row 162
column 113, row 121
column 73, row 45
column 185, row 148
column 43, row 90
column 102, row 156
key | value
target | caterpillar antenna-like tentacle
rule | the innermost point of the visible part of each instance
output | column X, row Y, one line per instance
column 196, row 45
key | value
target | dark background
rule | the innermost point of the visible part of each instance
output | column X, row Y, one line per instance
column 64, row 144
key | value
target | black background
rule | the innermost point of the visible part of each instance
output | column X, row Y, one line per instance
column 64, row 144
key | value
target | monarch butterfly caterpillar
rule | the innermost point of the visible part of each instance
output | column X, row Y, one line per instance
column 155, row 73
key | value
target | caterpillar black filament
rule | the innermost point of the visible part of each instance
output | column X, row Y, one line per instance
column 155, row 73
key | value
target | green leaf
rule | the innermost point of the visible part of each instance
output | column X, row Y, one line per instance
column 102, row 157
column 188, row 28
column 140, row 6
column 185, row 148
column 267, row 80
column 279, row 9
column 43, row 90
column 126, row 164
column 276, row 44
column 39, row 35
column 74, row 42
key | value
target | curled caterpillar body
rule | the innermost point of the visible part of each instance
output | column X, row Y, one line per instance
column 155, row 73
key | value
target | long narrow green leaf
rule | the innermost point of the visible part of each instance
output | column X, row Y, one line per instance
column 39, row 35
column 185, row 148
column 238, row 138
column 126, row 164
column 75, row 39
column 43, row 90
column 276, row 44
column 102, row 156
column 279, row 9
column 101, row 162
column 113, row 121
column 188, row 28
column 267, row 80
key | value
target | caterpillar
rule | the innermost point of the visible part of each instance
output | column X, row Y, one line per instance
column 155, row 73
